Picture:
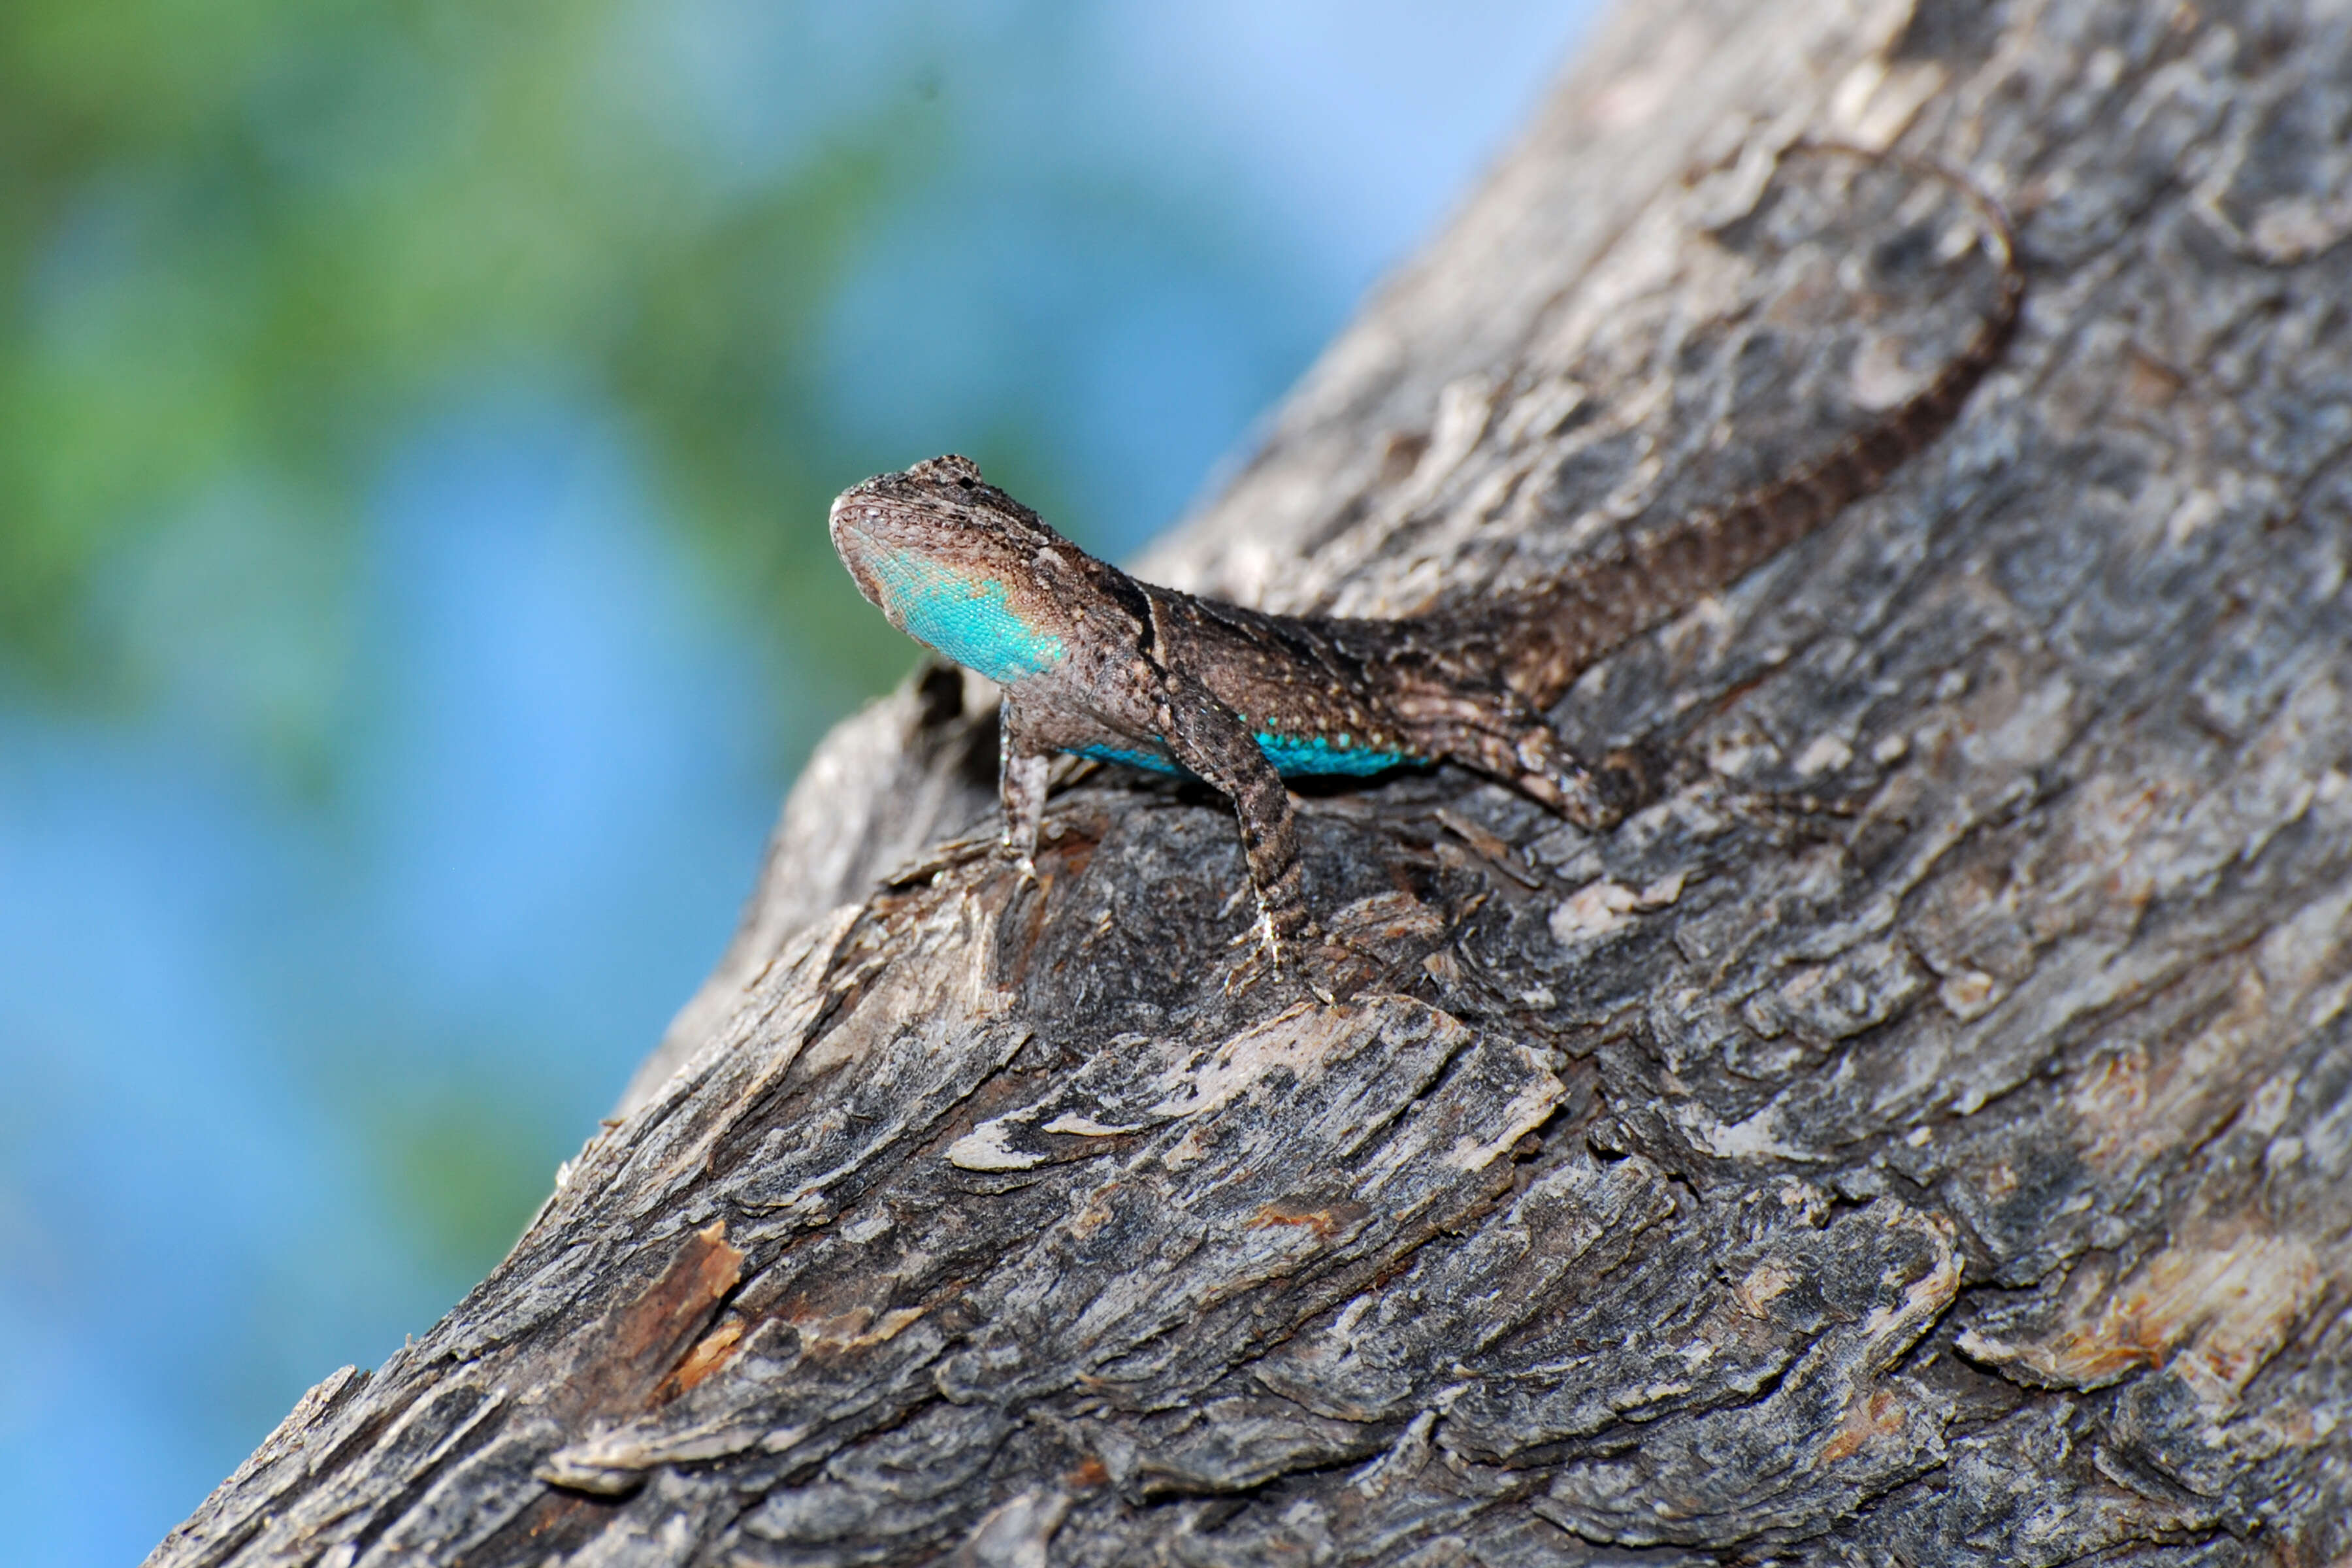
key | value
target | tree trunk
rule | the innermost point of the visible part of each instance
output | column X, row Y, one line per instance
column 1922, row 1135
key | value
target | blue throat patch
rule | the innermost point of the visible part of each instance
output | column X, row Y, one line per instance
column 967, row 619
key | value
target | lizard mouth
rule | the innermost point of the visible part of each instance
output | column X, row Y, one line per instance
column 854, row 545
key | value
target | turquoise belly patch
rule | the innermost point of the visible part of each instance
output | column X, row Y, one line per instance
column 1291, row 758
column 1144, row 760
column 965, row 618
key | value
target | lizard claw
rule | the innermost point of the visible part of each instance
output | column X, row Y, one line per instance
column 1327, row 968
column 1267, row 956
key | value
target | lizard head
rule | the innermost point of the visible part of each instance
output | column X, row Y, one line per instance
column 958, row 564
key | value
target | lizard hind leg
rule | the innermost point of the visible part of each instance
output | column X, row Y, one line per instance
column 1500, row 734
column 1594, row 798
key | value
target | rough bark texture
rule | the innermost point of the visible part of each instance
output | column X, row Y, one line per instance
column 1925, row 1136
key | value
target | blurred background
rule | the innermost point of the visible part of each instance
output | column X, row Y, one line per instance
column 417, row 421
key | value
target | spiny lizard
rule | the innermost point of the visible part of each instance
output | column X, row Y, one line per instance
column 1094, row 662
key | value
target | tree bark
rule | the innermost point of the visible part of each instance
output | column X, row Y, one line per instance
column 1921, row 1136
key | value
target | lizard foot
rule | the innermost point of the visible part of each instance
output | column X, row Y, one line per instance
column 1599, row 798
column 1265, row 960
column 1329, row 969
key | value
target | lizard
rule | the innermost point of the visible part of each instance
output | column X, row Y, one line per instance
column 1092, row 661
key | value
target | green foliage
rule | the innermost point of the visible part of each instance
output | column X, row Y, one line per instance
column 460, row 1178
column 246, row 243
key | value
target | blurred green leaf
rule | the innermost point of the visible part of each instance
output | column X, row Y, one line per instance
column 461, row 1177
column 247, row 242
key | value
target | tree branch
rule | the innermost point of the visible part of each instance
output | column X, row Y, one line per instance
column 1922, row 1136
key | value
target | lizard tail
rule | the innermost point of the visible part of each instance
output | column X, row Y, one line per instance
column 1617, row 594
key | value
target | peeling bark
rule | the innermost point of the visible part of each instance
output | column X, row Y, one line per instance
column 1921, row 1136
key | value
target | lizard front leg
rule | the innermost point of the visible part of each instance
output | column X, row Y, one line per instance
column 1021, row 789
column 1206, row 737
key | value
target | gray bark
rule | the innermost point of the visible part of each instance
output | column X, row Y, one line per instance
column 1922, row 1136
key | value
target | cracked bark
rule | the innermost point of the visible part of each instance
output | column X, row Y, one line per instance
column 1921, row 1136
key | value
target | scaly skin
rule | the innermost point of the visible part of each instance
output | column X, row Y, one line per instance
column 1094, row 662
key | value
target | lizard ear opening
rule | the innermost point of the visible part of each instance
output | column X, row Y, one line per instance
column 949, row 469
